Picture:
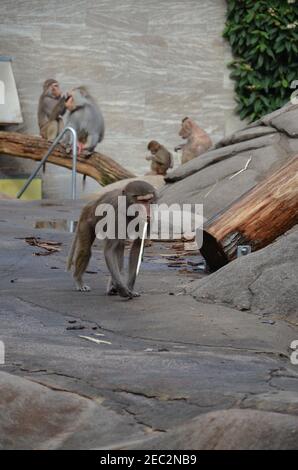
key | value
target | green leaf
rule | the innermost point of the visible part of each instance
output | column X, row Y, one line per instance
column 265, row 53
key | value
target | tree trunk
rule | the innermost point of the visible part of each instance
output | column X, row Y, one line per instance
column 99, row 167
column 257, row 218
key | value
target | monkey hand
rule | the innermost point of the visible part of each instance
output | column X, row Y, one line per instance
column 179, row 147
column 148, row 157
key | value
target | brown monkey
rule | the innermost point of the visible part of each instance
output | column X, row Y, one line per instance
column 197, row 142
column 136, row 192
column 160, row 157
column 86, row 119
column 51, row 107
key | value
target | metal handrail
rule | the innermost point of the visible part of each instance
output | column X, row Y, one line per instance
column 52, row 147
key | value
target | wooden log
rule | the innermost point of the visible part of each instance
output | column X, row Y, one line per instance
column 257, row 218
column 99, row 167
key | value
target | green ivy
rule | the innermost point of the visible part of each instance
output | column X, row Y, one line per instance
column 263, row 35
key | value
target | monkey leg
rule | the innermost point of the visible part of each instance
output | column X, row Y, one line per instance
column 86, row 238
column 111, row 253
column 52, row 130
column 111, row 288
column 133, row 263
column 187, row 155
column 60, row 125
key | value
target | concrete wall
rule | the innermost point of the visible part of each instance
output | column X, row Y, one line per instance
column 149, row 63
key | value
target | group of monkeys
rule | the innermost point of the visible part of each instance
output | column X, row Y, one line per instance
column 86, row 118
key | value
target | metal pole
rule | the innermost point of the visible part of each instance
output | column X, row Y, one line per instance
column 74, row 161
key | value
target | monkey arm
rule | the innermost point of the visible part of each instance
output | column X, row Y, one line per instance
column 111, row 256
column 58, row 110
column 133, row 262
column 160, row 158
column 91, row 142
column 179, row 147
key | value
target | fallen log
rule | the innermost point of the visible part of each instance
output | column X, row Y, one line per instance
column 256, row 219
column 99, row 167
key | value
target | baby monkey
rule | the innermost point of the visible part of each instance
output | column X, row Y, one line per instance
column 160, row 157
column 135, row 192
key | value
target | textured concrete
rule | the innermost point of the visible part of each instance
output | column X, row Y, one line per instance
column 166, row 359
column 149, row 64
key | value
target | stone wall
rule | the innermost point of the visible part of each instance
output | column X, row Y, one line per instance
column 148, row 62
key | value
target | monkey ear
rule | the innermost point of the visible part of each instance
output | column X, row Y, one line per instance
column 188, row 124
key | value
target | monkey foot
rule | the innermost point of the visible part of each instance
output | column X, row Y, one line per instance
column 112, row 291
column 136, row 294
column 83, row 288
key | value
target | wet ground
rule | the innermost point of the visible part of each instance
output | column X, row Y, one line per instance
column 142, row 366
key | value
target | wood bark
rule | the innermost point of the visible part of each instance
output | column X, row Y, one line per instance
column 257, row 218
column 99, row 167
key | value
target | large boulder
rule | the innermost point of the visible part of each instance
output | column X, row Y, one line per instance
column 229, row 430
column 262, row 282
column 211, row 179
column 36, row 416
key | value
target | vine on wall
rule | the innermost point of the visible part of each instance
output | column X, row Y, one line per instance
column 263, row 35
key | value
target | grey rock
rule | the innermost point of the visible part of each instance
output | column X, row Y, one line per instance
column 34, row 416
column 215, row 186
column 218, row 155
column 245, row 134
column 280, row 401
column 287, row 122
column 229, row 430
column 263, row 282
column 271, row 141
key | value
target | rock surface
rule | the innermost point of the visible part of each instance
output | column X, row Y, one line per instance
column 230, row 430
column 165, row 360
column 209, row 179
column 262, row 282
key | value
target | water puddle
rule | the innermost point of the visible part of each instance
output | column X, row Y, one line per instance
column 61, row 225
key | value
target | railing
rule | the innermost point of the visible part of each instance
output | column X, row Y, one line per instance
column 52, row 147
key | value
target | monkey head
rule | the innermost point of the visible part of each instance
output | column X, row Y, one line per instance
column 142, row 193
column 153, row 146
column 186, row 128
column 52, row 88
column 77, row 98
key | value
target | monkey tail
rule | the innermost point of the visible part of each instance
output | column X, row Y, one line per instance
column 72, row 251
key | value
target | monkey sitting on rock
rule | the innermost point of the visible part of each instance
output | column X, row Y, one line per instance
column 136, row 192
column 161, row 159
column 197, row 140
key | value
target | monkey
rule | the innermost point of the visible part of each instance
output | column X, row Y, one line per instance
column 86, row 119
column 51, row 108
column 197, row 142
column 160, row 157
column 136, row 192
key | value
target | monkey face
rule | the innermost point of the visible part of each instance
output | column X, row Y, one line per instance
column 142, row 194
column 153, row 146
column 54, row 90
column 186, row 129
